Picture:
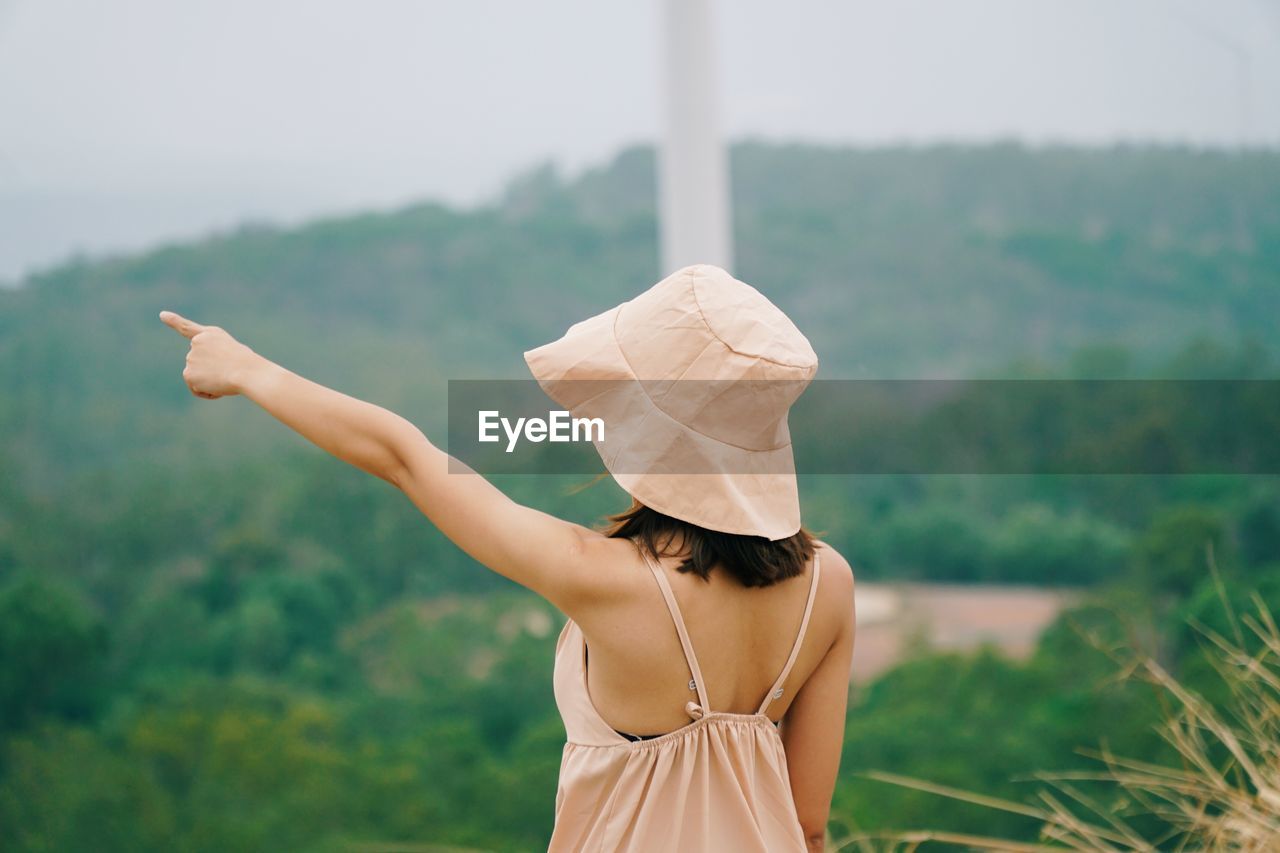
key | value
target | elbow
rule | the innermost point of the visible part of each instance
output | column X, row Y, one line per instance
column 391, row 474
column 403, row 449
column 813, row 823
column 390, row 467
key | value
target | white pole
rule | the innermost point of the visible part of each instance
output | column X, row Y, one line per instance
column 693, row 180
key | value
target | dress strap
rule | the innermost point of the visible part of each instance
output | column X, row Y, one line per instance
column 700, row 708
column 775, row 692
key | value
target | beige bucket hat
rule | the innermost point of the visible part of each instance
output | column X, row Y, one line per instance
column 692, row 380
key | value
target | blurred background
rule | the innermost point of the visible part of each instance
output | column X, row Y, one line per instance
column 213, row 636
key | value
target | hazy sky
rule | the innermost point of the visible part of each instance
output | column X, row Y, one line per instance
column 128, row 122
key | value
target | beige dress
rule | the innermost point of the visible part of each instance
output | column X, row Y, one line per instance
column 717, row 784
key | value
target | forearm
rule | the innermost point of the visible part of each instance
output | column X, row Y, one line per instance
column 360, row 433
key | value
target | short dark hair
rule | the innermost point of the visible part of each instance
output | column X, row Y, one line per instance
column 753, row 560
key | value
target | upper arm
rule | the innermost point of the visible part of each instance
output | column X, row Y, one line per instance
column 813, row 727
column 536, row 550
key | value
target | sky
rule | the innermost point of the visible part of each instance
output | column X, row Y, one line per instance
column 128, row 123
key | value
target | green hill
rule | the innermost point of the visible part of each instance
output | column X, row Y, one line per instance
column 896, row 262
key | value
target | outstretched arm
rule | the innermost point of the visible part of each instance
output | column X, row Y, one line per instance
column 532, row 548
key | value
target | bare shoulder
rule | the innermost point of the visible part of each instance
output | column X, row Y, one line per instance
column 836, row 583
column 609, row 569
column 609, row 549
column 835, row 565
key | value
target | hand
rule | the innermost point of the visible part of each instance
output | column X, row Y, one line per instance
column 216, row 363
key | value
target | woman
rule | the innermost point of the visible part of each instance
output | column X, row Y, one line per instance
column 702, row 673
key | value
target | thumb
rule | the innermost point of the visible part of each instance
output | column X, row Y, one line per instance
column 186, row 328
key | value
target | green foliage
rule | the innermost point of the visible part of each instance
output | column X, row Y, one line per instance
column 1171, row 556
column 213, row 637
column 1259, row 528
column 1035, row 544
column 67, row 789
column 1031, row 542
column 942, row 261
column 984, row 723
column 51, row 645
column 1215, row 607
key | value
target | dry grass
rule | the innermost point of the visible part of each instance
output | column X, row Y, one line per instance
column 1223, row 794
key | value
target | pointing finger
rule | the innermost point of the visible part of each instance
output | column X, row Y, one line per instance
column 186, row 328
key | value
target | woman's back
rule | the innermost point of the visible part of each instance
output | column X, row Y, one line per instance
column 701, row 671
column 741, row 636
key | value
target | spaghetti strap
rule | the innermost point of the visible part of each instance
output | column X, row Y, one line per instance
column 775, row 692
column 700, row 708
